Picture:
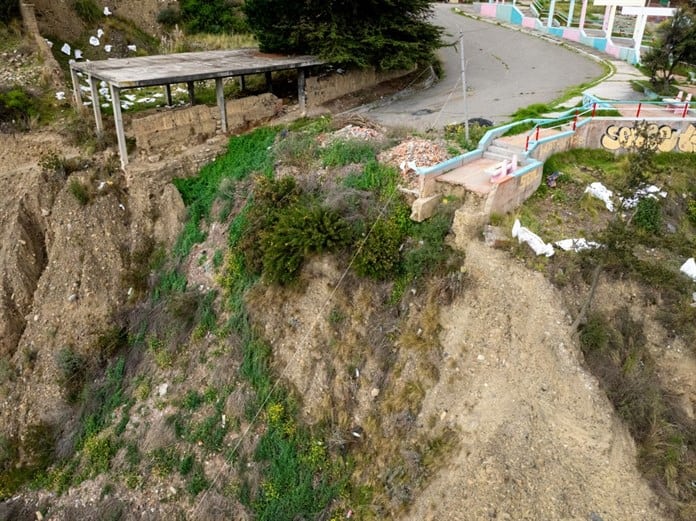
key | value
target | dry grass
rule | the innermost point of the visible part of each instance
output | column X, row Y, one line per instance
column 180, row 42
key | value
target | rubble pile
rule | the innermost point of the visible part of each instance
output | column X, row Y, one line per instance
column 413, row 153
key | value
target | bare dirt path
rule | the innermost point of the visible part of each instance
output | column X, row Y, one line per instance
column 539, row 440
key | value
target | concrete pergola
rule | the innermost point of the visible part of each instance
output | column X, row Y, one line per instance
column 167, row 69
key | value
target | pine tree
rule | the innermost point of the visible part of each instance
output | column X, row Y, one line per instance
column 387, row 34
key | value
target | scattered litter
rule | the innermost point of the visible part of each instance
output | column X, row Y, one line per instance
column 689, row 268
column 650, row 191
column 105, row 105
column 107, row 12
column 94, row 41
column 551, row 180
column 132, row 48
column 66, row 49
column 87, row 103
column 107, row 48
column 602, row 193
column 576, row 244
column 100, row 33
column 129, row 97
column 84, row 88
column 49, row 43
column 532, row 239
column 146, row 100
column 126, row 105
column 356, row 132
column 60, row 95
column 104, row 91
column 78, row 54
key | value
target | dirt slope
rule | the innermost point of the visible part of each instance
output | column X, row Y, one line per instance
column 539, row 440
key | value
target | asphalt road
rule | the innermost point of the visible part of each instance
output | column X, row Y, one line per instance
column 506, row 70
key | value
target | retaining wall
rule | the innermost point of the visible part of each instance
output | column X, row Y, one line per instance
column 320, row 89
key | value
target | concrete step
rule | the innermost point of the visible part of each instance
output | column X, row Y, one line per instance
column 509, row 147
column 497, row 157
column 502, row 151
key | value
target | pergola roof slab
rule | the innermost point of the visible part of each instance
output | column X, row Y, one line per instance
column 144, row 71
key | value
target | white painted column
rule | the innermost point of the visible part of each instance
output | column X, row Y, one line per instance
column 638, row 33
column 610, row 24
column 570, row 13
column 220, row 94
column 606, row 18
column 96, row 107
column 77, row 95
column 118, row 120
column 583, row 14
column 552, row 8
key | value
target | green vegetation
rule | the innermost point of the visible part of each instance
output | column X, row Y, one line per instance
column 18, row 107
column 341, row 153
column 80, row 191
column 72, row 369
column 88, row 10
column 391, row 35
column 208, row 16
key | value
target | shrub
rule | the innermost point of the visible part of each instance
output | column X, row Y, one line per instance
column 87, row 10
column 169, row 17
column 72, row 371
column 17, row 107
column 212, row 16
column 297, row 149
column 300, row 231
column 9, row 9
column 692, row 211
column 648, row 216
column 80, row 191
column 380, row 256
column 375, row 177
column 99, row 450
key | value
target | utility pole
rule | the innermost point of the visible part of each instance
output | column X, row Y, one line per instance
column 463, row 67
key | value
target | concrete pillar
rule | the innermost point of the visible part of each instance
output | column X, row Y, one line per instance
column 605, row 21
column 96, row 107
column 301, row 94
column 168, row 94
column 552, row 8
column 583, row 14
column 269, row 82
column 191, row 93
column 638, row 32
column 570, row 13
column 118, row 120
column 242, row 83
column 220, row 95
column 77, row 95
column 610, row 23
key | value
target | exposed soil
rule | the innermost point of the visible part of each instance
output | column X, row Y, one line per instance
column 539, row 438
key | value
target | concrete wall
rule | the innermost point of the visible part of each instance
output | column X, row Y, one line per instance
column 174, row 128
column 512, row 193
column 618, row 135
column 50, row 64
column 321, row 89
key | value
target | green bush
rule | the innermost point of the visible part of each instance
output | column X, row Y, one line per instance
column 87, row 10
column 99, row 450
column 80, row 191
column 17, row 107
column 375, row 177
column 72, row 369
column 341, row 153
column 692, row 211
column 9, row 10
column 298, row 149
column 302, row 230
column 169, row 17
column 380, row 256
column 648, row 215
column 212, row 16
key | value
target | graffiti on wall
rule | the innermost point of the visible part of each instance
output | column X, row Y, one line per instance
column 629, row 138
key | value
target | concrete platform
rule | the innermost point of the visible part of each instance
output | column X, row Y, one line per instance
column 471, row 176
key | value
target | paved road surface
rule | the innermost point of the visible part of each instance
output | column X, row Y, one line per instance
column 506, row 70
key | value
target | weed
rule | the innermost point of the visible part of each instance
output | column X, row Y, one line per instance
column 164, row 460
column 197, row 481
column 80, row 191
column 192, row 400
column 87, row 10
column 17, row 107
column 186, row 464
column 297, row 149
column 374, row 177
column 648, row 215
column 341, row 153
column 72, row 369
column 380, row 256
column 99, row 450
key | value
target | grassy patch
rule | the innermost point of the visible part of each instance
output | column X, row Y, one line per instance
column 346, row 152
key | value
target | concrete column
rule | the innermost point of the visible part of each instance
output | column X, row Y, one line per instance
column 570, row 13
column 96, row 107
column 583, row 14
column 610, row 23
column 605, row 21
column 191, row 92
column 220, row 94
column 168, row 94
column 638, row 32
column 269, row 82
column 242, row 83
column 77, row 95
column 301, row 94
column 552, row 8
column 118, row 120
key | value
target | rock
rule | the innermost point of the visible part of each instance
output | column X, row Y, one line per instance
column 374, row 392
column 162, row 389
column 494, row 236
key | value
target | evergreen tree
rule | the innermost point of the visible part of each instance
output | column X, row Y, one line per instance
column 387, row 34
